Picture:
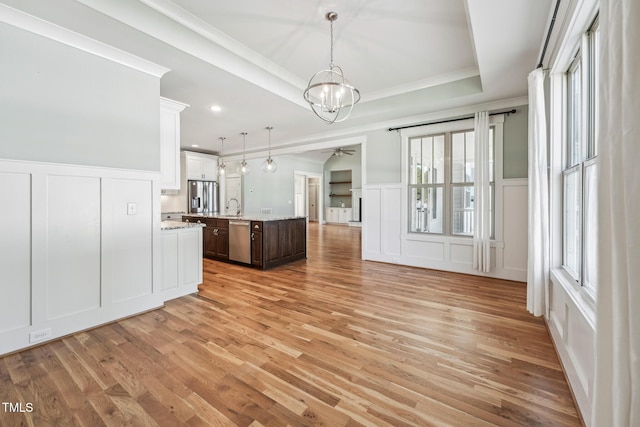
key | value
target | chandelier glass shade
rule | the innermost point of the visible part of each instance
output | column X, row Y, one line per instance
column 244, row 167
column 269, row 165
column 329, row 93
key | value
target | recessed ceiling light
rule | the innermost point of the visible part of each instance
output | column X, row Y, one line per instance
column 195, row 145
column 216, row 108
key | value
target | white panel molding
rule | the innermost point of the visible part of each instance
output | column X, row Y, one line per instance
column 52, row 229
column 57, row 33
column 15, row 251
column 573, row 334
column 513, row 217
column 169, row 255
column 73, row 245
column 392, row 223
column 181, row 262
column 371, row 223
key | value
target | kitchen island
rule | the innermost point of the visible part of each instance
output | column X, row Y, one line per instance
column 259, row 241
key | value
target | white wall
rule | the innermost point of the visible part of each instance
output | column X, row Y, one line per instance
column 274, row 190
column 64, row 105
column 383, row 157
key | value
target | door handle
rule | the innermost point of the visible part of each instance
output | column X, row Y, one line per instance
column 253, row 235
column 215, row 231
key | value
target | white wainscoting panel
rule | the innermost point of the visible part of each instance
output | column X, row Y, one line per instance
column 515, row 226
column 191, row 258
column 426, row 251
column 572, row 326
column 391, row 226
column 73, row 242
column 68, row 247
column 386, row 239
column 131, row 260
column 169, row 258
column 15, row 251
column 372, row 223
column 181, row 261
column 462, row 254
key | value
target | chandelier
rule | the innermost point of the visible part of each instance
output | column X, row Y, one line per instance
column 329, row 93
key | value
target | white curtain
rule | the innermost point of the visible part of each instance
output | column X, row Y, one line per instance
column 617, row 376
column 538, row 253
column 482, row 198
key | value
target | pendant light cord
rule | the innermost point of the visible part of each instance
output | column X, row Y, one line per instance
column 269, row 129
column 244, row 145
column 331, row 60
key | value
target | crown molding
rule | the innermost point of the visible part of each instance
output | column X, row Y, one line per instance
column 422, row 84
column 35, row 25
column 199, row 39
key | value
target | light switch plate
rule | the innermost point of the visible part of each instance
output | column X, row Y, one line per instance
column 132, row 209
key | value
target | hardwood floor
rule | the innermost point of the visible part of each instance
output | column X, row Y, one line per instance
column 330, row 341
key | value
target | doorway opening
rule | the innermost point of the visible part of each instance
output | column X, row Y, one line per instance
column 308, row 195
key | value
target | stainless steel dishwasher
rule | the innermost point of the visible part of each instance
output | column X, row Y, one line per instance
column 240, row 241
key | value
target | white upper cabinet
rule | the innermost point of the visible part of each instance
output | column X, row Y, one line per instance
column 170, row 143
column 201, row 167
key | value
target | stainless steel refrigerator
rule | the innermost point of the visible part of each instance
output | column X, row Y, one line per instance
column 203, row 197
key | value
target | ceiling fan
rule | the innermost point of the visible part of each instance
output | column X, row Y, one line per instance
column 339, row 152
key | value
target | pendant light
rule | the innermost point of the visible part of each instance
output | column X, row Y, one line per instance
column 269, row 165
column 221, row 165
column 329, row 93
column 244, row 168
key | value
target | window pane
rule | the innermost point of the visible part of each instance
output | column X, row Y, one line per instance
column 571, row 224
column 438, row 159
column 594, row 41
column 491, row 162
column 590, row 228
column 415, row 161
column 425, row 215
column 426, row 160
column 462, row 157
column 457, row 157
column 574, row 102
column 463, row 201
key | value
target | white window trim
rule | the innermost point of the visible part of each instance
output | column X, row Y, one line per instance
column 581, row 21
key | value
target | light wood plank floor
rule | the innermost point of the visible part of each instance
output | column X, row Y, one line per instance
column 330, row 341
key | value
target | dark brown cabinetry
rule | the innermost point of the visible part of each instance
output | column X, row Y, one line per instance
column 283, row 241
column 256, row 243
column 273, row 242
column 215, row 241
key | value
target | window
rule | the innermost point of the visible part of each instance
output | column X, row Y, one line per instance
column 441, row 182
column 580, row 168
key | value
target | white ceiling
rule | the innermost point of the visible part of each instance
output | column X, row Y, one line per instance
column 254, row 58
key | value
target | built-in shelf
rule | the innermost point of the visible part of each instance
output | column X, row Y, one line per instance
column 340, row 182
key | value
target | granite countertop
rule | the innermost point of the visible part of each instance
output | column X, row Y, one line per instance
column 174, row 225
column 248, row 217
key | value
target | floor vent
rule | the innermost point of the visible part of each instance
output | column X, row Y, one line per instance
column 266, row 211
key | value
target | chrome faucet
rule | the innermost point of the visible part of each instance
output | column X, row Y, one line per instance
column 237, row 205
